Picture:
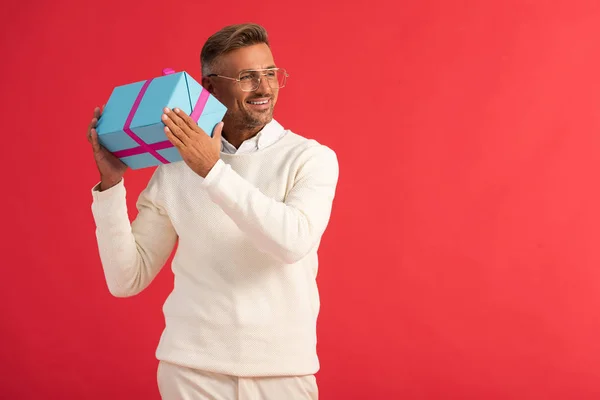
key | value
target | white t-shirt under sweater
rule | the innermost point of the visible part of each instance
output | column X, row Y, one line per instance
column 245, row 300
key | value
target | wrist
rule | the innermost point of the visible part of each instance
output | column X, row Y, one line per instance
column 106, row 184
column 209, row 168
column 215, row 174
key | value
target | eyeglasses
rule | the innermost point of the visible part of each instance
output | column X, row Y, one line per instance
column 249, row 80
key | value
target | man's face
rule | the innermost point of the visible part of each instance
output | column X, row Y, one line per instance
column 245, row 110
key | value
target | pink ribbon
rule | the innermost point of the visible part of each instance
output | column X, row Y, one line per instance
column 144, row 147
column 152, row 148
column 200, row 104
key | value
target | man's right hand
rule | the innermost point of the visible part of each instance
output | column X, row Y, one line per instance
column 110, row 167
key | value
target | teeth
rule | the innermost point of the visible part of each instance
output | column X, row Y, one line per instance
column 259, row 102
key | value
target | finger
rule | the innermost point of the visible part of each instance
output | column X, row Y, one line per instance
column 96, row 113
column 94, row 120
column 91, row 126
column 177, row 120
column 174, row 139
column 94, row 140
column 189, row 121
column 175, row 129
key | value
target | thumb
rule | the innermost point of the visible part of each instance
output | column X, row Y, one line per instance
column 217, row 131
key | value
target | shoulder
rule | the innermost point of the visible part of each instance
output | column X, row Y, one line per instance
column 310, row 156
column 311, row 149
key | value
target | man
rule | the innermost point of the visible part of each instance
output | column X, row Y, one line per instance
column 248, row 207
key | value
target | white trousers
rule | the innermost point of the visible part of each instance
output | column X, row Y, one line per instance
column 181, row 383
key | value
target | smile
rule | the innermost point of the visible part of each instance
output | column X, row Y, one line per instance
column 258, row 102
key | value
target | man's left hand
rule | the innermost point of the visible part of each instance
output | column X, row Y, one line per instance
column 199, row 151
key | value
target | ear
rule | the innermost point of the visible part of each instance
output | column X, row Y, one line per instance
column 208, row 85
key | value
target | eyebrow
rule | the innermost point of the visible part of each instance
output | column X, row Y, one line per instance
column 254, row 69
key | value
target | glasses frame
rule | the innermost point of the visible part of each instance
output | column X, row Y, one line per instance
column 262, row 72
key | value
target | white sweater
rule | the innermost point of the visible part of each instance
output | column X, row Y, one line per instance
column 245, row 300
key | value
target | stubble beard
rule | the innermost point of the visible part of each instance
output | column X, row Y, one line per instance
column 248, row 120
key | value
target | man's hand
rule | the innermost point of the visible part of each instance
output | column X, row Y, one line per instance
column 110, row 167
column 199, row 151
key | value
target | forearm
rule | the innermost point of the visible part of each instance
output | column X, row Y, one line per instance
column 131, row 253
column 288, row 230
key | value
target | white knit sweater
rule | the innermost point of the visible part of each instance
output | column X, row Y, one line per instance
column 245, row 300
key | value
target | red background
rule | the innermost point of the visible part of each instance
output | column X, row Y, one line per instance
column 463, row 257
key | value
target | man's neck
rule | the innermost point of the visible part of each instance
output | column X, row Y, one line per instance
column 238, row 136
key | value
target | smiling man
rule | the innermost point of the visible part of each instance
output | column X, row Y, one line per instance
column 248, row 208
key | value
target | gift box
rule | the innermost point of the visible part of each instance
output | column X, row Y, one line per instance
column 131, row 127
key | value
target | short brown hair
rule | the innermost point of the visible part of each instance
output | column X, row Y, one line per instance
column 230, row 38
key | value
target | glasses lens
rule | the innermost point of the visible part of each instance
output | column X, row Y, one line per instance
column 250, row 80
column 277, row 78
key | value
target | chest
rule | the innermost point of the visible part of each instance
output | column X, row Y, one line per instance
column 191, row 210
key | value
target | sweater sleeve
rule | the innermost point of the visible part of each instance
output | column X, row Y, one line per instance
column 288, row 230
column 132, row 254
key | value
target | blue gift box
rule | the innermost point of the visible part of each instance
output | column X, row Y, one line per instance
column 131, row 127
